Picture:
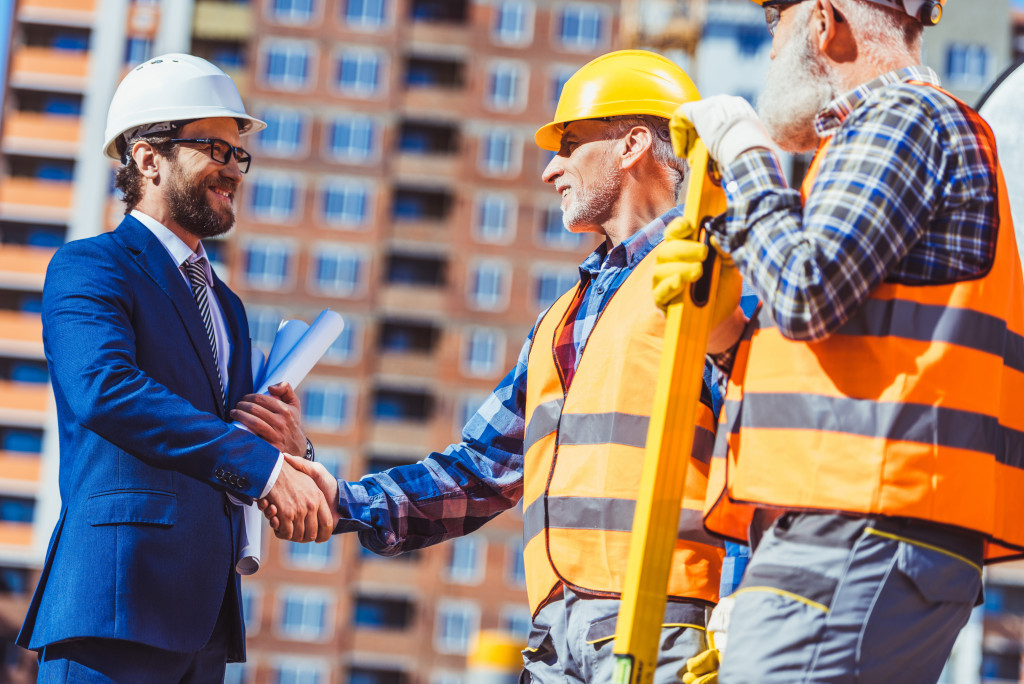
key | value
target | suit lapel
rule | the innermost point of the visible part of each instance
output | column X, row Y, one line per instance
column 156, row 263
column 239, row 361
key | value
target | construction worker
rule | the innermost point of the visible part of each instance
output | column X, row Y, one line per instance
column 565, row 430
column 879, row 473
column 147, row 349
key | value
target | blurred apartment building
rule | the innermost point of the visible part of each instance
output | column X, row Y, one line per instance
column 398, row 184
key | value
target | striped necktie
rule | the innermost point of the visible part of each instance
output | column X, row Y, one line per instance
column 196, row 271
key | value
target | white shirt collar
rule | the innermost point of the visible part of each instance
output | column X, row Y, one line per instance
column 178, row 250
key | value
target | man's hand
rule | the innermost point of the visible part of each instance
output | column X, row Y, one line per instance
column 681, row 262
column 301, row 511
column 324, row 481
column 275, row 418
column 728, row 125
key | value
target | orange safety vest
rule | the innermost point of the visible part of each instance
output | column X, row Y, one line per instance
column 584, row 452
column 912, row 408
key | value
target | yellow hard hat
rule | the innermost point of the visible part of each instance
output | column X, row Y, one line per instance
column 619, row 83
column 928, row 12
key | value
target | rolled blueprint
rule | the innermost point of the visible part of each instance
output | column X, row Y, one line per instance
column 296, row 349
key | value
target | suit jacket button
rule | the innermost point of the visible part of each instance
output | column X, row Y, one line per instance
column 233, row 480
column 243, row 482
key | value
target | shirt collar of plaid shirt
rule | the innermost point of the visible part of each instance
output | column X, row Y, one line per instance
column 832, row 116
column 630, row 251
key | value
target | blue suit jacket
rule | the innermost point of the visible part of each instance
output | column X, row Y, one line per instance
column 146, row 542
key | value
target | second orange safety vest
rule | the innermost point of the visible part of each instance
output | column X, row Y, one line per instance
column 584, row 452
column 912, row 408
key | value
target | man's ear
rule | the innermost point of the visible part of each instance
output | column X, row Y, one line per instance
column 146, row 159
column 635, row 143
column 832, row 33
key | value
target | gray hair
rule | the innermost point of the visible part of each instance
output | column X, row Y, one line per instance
column 882, row 30
column 661, row 147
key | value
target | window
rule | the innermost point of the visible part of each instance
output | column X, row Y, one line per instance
column 296, row 670
column 559, row 77
column 495, row 218
column 498, row 153
column 288, row 64
column 285, row 134
column 513, row 22
column 580, row 27
column 421, row 204
column 252, row 605
column 17, row 509
column 507, row 84
column 553, row 232
column 467, row 559
column 291, row 11
column 305, row 614
column 516, row 620
column 408, row 336
column 551, row 284
column 364, row 14
column 267, row 262
column 404, row 404
column 484, row 352
column 273, row 197
column 967, row 65
column 345, row 349
column 138, row 50
column 358, row 73
column 352, row 139
column 338, row 270
column 514, row 563
column 344, row 202
column 416, row 269
column 376, row 675
column 488, row 287
column 327, row 405
column 263, row 324
column 25, row 441
column 382, row 612
column 310, row 556
column 237, row 673
column 456, row 627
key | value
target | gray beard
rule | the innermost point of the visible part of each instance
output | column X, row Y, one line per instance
column 798, row 86
column 594, row 206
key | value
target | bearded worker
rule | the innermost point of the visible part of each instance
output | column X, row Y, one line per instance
column 880, row 476
column 147, row 349
column 565, row 431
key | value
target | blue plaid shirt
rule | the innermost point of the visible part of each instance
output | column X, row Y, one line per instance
column 454, row 492
column 906, row 193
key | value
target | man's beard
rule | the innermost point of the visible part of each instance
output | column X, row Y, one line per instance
column 190, row 208
column 798, row 86
column 593, row 206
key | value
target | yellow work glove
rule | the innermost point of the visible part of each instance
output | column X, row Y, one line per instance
column 701, row 668
column 681, row 262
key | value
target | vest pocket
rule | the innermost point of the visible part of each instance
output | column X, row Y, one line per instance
column 141, row 507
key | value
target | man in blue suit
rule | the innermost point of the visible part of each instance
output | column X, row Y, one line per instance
column 147, row 349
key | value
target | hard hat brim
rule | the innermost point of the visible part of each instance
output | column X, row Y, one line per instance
column 248, row 124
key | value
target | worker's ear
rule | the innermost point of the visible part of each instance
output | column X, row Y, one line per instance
column 635, row 144
column 146, row 159
column 832, row 33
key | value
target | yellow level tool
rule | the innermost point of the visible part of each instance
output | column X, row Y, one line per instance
column 669, row 441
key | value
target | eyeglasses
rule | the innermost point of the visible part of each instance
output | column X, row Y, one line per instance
column 773, row 12
column 220, row 151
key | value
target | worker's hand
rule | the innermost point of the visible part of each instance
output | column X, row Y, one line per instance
column 324, row 481
column 299, row 505
column 680, row 262
column 727, row 124
column 703, row 667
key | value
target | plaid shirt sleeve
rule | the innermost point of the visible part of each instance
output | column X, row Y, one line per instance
column 873, row 201
column 451, row 493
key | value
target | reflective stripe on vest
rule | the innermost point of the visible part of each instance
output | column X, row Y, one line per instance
column 584, row 454
column 910, row 409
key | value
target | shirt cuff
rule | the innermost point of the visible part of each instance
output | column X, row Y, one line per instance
column 273, row 475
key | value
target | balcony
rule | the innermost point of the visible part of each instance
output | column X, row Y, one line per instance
column 30, row 199
column 22, row 267
column 35, row 133
column 50, row 68
column 23, row 403
column 223, row 21
column 22, row 335
column 57, row 12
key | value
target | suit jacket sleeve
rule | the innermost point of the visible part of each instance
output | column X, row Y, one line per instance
column 90, row 341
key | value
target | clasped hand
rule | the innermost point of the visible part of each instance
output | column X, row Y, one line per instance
column 301, row 506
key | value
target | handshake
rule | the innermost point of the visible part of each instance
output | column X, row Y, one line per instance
column 302, row 504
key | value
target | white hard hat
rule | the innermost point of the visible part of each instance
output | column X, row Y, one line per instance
column 169, row 88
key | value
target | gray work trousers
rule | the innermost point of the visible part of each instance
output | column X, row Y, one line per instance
column 571, row 641
column 829, row 598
